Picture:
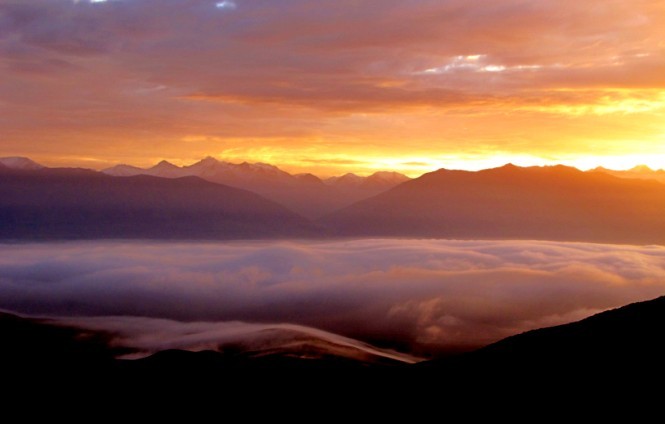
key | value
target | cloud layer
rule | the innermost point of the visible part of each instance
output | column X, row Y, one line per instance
column 421, row 296
column 150, row 335
column 105, row 79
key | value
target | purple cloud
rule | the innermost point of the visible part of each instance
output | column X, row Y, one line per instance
column 419, row 295
column 81, row 74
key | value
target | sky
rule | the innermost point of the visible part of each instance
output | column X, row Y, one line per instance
column 419, row 296
column 334, row 86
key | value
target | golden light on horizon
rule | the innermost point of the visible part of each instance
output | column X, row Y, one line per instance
column 413, row 166
column 361, row 91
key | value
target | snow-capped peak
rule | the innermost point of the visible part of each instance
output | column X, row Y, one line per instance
column 123, row 170
column 18, row 162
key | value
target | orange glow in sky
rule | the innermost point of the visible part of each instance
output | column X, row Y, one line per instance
column 335, row 87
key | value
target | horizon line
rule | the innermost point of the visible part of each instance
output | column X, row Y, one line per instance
column 635, row 168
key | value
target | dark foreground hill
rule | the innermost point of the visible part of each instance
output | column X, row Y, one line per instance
column 547, row 203
column 627, row 342
column 82, row 204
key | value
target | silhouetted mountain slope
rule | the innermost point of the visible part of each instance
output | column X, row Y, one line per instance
column 616, row 343
column 551, row 203
column 602, row 352
column 32, row 349
column 82, row 204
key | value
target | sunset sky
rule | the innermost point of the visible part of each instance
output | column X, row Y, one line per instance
column 334, row 86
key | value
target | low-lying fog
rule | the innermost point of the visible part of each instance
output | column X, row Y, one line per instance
column 417, row 296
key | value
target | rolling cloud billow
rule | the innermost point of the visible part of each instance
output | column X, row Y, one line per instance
column 417, row 296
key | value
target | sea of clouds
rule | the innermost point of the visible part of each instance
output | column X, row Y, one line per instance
column 418, row 296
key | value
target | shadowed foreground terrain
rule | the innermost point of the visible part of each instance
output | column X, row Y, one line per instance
column 622, row 342
column 627, row 342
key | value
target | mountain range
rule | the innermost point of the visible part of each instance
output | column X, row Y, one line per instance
column 82, row 204
column 305, row 194
column 510, row 202
column 545, row 203
column 642, row 172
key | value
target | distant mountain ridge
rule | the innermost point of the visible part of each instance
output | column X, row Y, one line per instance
column 641, row 172
column 52, row 203
column 546, row 203
column 305, row 194
column 19, row 162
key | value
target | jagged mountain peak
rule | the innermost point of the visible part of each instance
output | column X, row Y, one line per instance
column 165, row 164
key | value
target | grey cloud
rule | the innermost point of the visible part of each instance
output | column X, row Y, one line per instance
column 420, row 295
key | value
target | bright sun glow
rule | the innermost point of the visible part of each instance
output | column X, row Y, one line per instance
column 335, row 88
